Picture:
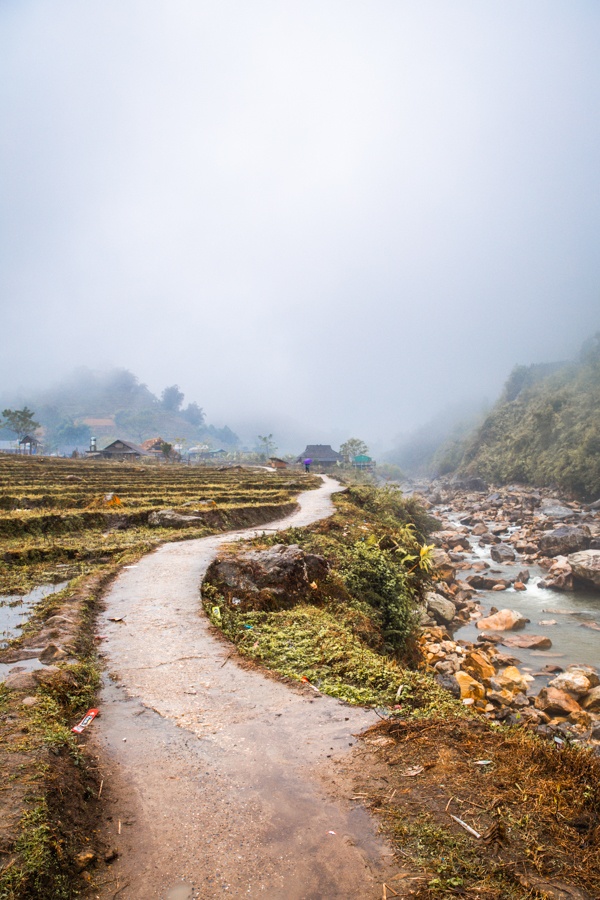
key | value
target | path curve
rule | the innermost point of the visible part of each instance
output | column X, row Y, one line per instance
column 221, row 781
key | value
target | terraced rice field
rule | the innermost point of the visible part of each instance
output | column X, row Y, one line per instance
column 58, row 520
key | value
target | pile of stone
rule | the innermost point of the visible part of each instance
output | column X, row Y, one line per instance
column 521, row 527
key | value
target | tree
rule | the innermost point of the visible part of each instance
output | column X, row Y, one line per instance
column 353, row 447
column 172, row 398
column 267, row 445
column 20, row 421
column 193, row 414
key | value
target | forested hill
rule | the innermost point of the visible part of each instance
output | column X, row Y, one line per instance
column 545, row 429
column 114, row 404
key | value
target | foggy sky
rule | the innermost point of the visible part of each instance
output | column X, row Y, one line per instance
column 330, row 217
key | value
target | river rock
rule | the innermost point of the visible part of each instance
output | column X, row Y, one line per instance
column 554, row 509
column 586, row 566
column 589, row 671
column 592, row 702
column 527, row 641
column 470, row 689
column 504, row 620
column 479, row 666
column 511, row 679
column 484, row 583
column 502, row 553
column 555, row 702
column 572, row 681
column 565, row 539
column 442, row 609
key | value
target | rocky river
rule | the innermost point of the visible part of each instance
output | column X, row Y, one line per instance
column 513, row 623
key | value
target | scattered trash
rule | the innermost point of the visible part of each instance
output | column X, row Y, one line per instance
column 247, row 627
column 89, row 717
column 117, row 619
column 399, row 693
column 314, row 586
column 484, row 762
column 465, row 826
column 104, row 501
column 306, row 681
column 216, row 613
column 331, row 832
column 130, row 567
column 235, row 601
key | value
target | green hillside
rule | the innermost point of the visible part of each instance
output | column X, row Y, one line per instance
column 545, row 429
column 114, row 404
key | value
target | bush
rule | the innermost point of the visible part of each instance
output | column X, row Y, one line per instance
column 372, row 575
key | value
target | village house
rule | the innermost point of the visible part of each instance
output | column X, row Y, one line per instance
column 119, row 450
column 321, row 455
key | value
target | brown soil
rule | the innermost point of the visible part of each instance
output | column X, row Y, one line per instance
column 534, row 806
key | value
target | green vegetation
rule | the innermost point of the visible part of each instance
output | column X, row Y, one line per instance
column 350, row 635
column 19, row 421
column 545, row 430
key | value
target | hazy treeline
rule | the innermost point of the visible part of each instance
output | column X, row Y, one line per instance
column 115, row 396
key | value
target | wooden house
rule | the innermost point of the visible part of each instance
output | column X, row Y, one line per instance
column 321, row 455
column 121, row 450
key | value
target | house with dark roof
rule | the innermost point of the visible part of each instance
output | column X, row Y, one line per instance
column 321, row 455
column 121, row 450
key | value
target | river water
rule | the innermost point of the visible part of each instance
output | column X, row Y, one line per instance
column 575, row 636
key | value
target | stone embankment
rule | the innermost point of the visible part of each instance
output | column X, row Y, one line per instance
column 520, row 528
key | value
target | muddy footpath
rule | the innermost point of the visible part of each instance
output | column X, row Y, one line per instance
column 218, row 781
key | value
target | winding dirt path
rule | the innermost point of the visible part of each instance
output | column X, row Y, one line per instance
column 220, row 781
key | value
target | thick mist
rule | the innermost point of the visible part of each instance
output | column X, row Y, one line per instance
column 320, row 220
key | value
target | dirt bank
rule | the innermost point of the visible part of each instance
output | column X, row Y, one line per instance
column 218, row 780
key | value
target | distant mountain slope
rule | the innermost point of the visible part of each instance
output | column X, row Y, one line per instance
column 545, row 429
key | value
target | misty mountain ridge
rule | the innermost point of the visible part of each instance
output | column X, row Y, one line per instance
column 544, row 430
column 111, row 404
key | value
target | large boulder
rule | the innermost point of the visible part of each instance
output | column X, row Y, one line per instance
column 478, row 665
column 586, row 567
column 502, row 553
column 168, row 518
column 554, row 702
column 276, row 578
column 442, row 609
column 470, row 688
column 565, row 539
column 527, row 641
column 505, row 620
column 554, row 509
column 574, row 682
column 592, row 701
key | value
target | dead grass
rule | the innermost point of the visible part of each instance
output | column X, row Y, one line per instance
column 536, row 808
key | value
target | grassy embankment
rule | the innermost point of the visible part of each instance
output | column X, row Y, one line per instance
column 535, row 806
column 55, row 526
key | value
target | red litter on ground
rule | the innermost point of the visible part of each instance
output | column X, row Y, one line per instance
column 306, row 681
column 89, row 717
